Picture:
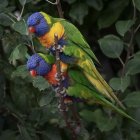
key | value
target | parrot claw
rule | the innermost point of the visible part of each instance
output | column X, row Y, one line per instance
column 57, row 89
column 60, row 48
column 62, row 109
column 63, row 91
column 58, row 78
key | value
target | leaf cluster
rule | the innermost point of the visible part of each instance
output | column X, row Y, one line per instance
column 28, row 107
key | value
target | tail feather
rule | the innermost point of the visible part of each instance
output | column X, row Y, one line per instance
column 101, row 85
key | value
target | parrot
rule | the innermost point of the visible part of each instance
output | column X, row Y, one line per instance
column 74, row 50
column 76, row 84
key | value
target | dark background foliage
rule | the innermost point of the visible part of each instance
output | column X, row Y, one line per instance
column 28, row 108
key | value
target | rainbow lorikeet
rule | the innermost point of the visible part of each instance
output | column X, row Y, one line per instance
column 74, row 49
column 76, row 84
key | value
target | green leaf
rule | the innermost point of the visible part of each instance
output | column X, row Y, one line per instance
column 123, row 26
column 133, row 67
column 87, row 115
column 111, row 13
column 48, row 58
column 18, row 53
column 111, row 46
column 51, row 134
column 70, row 1
column 137, row 4
column 47, row 98
column 104, row 123
column 23, row 2
column 21, row 27
column 24, row 133
column 3, row 4
column 133, row 99
column 5, row 20
column 40, row 83
column 21, row 71
column 78, row 12
column 8, row 135
column 96, row 4
column 120, row 83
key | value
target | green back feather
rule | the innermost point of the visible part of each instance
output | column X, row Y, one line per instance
column 50, row 59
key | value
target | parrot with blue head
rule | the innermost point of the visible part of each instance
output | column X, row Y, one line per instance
column 75, row 50
column 78, row 87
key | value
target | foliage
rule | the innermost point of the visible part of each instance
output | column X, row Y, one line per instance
column 28, row 108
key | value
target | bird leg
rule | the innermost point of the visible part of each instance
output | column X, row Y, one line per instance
column 60, row 48
column 58, row 78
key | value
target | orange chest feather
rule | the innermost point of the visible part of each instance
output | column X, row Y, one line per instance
column 48, row 39
column 50, row 77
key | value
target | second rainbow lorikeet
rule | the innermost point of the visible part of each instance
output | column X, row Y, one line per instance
column 74, row 49
column 76, row 84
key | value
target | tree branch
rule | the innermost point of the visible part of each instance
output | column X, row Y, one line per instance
column 63, row 107
column 59, row 8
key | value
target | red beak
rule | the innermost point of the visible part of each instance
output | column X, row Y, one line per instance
column 31, row 30
column 33, row 73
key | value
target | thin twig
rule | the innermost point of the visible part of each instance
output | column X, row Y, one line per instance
column 53, row 3
column 10, row 18
column 59, row 8
column 137, row 29
column 22, row 10
column 121, row 61
column 30, row 47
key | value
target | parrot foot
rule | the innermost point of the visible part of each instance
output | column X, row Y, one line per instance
column 58, row 78
column 62, row 92
column 63, row 108
column 60, row 48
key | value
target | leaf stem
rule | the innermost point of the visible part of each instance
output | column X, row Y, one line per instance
column 130, row 46
column 22, row 10
column 10, row 18
column 53, row 3
column 121, row 61
column 137, row 29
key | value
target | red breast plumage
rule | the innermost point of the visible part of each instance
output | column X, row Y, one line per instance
column 50, row 77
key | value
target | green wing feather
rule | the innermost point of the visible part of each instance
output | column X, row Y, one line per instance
column 48, row 58
column 77, row 38
column 82, row 89
column 73, row 34
column 91, row 73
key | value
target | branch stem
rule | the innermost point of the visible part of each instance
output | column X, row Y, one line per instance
column 130, row 46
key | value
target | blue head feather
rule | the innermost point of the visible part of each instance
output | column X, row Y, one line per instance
column 38, row 21
column 37, row 63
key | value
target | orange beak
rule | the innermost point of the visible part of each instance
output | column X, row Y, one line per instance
column 33, row 73
column 31, row 30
